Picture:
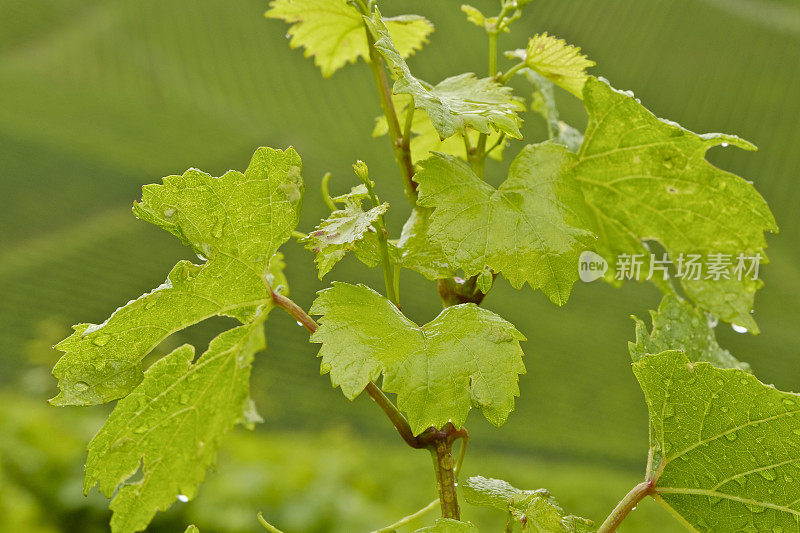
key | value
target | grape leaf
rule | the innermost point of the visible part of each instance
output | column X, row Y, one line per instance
column 172, row 424
column 645, row 178
column 332, row 31
column 455, row 103
column 724, row 447
column 553, row 58
column 543, row 102
column 236, row 224
column 679, row 326
column 537, row 510
column 344, row 230
column 466, row 356
column 474, row 15
column 426, row 139
column 530, row 229
column 418, row 252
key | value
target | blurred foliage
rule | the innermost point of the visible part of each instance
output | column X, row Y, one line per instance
column 101, row 97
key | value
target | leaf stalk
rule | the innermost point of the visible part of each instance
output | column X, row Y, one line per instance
column 626, row 505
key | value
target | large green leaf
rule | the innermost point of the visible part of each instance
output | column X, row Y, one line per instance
column 235, row 223
column 466, row 356
column 455, row 103
column 536, row 510
column 679, row 326
column 531, row 229
column 645, row 178
column 172, row 425
column 332, row 31
column 724, row 447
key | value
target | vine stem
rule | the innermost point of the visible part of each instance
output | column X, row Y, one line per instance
column 383, row 237
column 400, row 144
column 626, row 505
column 395, row 416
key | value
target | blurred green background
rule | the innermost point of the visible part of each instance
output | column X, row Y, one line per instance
column 100, row 97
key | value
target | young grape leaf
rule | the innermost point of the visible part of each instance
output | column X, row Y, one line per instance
column 530, row 229
column 332, row 31
column 553, row 58
column 455, row 103
column 677, row 325
column 448, row 525
column 536, row 510
column 172, row 425
column 466, row 356
column 235, row 223
column 344, row 230
column 724, row 447
column 474, row 15
column 543, row 102
column 426, row 139
column 647, row 178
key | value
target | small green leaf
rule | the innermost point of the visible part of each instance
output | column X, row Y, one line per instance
column 332, row 31
column 679, row 326
column 645, row 178
column 543, row 102
column 426, row 139
column 530, row 229
column 172, row 424
column 455, row 103
column 474, row 15
column 344, row 230
column 236, row 224
column 553, row 58
column 724, row 447
column 536, row 510
column 448, row 525
column 466, row 356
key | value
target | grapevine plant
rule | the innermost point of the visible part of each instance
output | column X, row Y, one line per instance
column 724, row 451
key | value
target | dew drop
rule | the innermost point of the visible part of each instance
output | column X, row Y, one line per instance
column 755, row 508
column 140, row 430
column 739, row 329
column 218, row 225
column 101, row 340
column 81, row 386
column 723, row 409
column 169, row 212
column 184, row 399
column 724, row 145
column 732, row 436
column 299, row 323
column 768, row 474
column 183, row 498
column 788, row 403
column 669, row 411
